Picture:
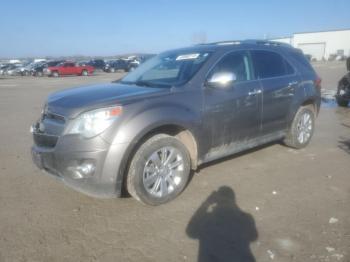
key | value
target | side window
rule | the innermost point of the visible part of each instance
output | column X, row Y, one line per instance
column 301, row 60
column 270, row 64
column 235, row 62
column 289, row 68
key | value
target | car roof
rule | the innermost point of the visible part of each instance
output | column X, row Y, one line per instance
column 235, row 44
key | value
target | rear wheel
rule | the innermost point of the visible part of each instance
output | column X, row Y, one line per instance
column 84, row 73
column 159, row 170
column 302, row 128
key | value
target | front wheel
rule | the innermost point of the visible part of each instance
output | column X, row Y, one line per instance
column 302, row 128
column 159, row 170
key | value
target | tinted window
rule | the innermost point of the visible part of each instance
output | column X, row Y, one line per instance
column 289, row 68
column 270, row 64
column 302, row 61
column 237, row 63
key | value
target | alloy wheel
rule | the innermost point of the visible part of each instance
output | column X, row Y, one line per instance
column 163, row 172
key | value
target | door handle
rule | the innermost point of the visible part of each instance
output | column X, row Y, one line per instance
column 254, row 92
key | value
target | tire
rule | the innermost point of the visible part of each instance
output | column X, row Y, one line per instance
column 303, row 122
column 342, row 102
column 172, row 176
column 55, row 74
column 84, row 73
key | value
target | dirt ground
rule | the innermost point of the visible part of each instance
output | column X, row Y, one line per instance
column 269, row 204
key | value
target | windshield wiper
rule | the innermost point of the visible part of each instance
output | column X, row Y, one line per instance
column 144, row 83
column 151, row 84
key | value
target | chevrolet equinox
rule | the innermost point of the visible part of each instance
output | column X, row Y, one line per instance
column 180, row 109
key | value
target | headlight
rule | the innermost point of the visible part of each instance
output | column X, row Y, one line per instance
column 94, row 122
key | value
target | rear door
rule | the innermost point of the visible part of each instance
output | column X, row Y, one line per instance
column 68, row 69
column 278, row 80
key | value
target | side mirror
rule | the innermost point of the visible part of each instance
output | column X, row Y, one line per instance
column 221, row 80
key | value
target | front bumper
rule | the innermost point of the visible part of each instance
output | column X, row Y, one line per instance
column 64, row 159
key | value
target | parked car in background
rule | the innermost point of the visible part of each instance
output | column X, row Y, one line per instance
column 98, row 64
column 38, row 69
column 24, row 70
column 115, row 65
column 180, row 109
column 3, row 68
column 69, row 68
column 82, row 63
column 12, row 69
column 343, row 91
column 133, row 64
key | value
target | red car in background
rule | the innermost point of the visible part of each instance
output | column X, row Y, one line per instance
column 69, row 68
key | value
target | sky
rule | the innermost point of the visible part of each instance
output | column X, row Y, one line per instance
column 40, row 28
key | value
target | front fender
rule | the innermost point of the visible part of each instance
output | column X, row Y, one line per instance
column 137, row 126
column 131, row 131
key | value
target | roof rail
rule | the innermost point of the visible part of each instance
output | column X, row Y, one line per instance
column 250, row 41
column 266, row 42
column 228, row 42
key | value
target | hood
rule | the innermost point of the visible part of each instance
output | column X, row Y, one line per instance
column 71, row 102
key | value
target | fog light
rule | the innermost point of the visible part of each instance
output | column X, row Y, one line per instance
column 85, row 169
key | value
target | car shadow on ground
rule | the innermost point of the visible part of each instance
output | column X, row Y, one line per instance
column 223, row 230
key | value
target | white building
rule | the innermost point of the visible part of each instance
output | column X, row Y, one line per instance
column 321, row 45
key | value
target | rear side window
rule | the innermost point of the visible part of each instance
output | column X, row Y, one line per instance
column 237, row 63
column 270, row 64
column 302, row 61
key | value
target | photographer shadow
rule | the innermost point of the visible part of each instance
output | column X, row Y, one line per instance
column 223, row 230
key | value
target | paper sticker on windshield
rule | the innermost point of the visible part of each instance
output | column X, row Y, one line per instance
column 187, row 57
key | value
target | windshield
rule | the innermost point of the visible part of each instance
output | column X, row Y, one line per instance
column 167, row 69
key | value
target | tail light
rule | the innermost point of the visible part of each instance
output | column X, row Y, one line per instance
column 317, row 82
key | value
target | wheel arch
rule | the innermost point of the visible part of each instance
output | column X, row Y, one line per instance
column 309, row 101
column 181, row 132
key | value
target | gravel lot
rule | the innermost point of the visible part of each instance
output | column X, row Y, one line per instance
column 274, row 203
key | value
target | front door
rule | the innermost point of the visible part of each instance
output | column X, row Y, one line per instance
column 232, row 115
